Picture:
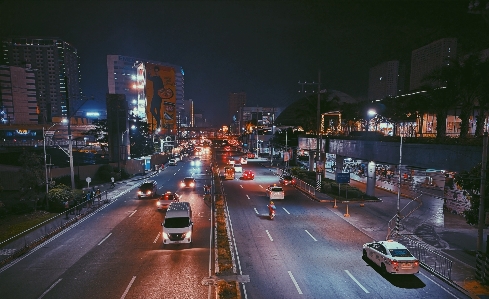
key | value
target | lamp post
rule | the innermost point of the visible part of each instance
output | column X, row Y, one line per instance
column 46, row 133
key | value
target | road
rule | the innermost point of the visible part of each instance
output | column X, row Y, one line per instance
column 117, row 252
column 308, row 251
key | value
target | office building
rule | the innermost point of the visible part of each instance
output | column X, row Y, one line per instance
column 383, row 80
column 428, row 58
column 18, row 101
column 117, row 127
column 123, row 78
column 55, row 63
column 236, row 101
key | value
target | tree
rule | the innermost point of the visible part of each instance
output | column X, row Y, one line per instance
column 140, row 138
column 32, row 175
column 470, row 182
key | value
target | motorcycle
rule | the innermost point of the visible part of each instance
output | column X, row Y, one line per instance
column 271, row 211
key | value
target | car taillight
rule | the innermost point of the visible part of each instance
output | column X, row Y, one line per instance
column 394, row 263
column 416, row 263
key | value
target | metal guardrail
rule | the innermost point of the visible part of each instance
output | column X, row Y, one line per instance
column 429, row 258
column 300, row 184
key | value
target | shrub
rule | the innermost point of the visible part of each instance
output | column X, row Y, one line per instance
column 104, row 173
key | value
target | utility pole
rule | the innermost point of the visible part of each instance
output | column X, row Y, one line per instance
column 70, row 144
column 481, row 223
column 319, row 170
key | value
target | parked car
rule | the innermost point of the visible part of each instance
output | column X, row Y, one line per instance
column 244, row 160
column 172, row 162
column 392, row 257
column 166, row 199
column 148, row 189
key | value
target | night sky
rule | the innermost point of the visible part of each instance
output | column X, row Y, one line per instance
column 262, row 48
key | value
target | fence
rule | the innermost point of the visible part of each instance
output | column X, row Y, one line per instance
column 431, row 259
column 300, row 184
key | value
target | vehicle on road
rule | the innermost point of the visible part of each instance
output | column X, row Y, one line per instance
column 275, row 192
column 172, row 162
column 166, row 199
column 229, row 172
column 271, row 210
column 248, row 175
column 148, row 189
column 250, row 156
column 196, row 162
column 188, row 182
column 231, row 161
column 238, row 168
column 287, row 180
column 392, row 257
column 227, row 148
column 243, row 160
column 178, row 225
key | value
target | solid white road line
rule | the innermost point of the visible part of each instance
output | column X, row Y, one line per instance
column 286, row 210
column 310, row 235
column 133, row 213
column 269, row 236
column 104, row 239
column 256, row 211
column 128, row 287
column 358, row 283
column 157, row 237
column 295, row 282
column 453, row 295
column 50, row 288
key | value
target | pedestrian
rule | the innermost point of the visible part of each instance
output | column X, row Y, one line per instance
column 88, row 199
column 98, row 194
column 112, row 185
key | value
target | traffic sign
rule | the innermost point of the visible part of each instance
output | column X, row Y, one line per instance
column 343, row 177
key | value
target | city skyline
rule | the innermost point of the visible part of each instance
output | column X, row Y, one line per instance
column 261, row 48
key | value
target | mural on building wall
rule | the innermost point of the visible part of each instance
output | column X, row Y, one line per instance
column 160, row 97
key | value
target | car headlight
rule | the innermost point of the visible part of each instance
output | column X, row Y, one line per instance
column 165, row 236
column 182, row 184
column 192, row 184
column 158, row 203
column 192, row 163
column 140, row 192
column 148, row 192
column 188, row 234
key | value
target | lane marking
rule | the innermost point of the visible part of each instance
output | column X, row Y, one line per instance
column 256, row 211
column 128, row 287
column 104, row 239
column 261, row 186
column 357, row 282
column 247, row 196
column 133, row 213
column 295, row 282
column 269, row 236
column 311, row 235
column 157, row 237
column 50, row 288
column 441, row 287
column 286, row 210
column 241, row 186
column 175, row 173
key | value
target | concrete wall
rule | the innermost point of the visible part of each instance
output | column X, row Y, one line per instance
column 447, row 157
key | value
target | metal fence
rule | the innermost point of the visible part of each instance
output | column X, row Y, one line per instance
column 300, row 184
column 430, row 259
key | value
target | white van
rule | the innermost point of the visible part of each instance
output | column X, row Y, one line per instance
column 178, row 225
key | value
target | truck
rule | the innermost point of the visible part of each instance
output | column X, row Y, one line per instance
column 229, row 172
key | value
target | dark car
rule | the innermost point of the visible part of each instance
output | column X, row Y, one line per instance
column 148, row 189
column 287, row 180
column 248, row 175
column 188, row 182
column 166, row 199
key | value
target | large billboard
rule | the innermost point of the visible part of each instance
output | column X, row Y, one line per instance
column 161, row 97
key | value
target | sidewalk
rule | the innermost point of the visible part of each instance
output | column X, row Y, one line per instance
column 425, row 219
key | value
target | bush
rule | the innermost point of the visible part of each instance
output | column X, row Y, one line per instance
column 104, row 173
column 21, row 207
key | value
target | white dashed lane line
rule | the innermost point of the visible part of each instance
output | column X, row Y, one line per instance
column 295, row 283
column 286, row 210
column 357, row 282
column 269, row 236
column 310, row 235
column 256, row 211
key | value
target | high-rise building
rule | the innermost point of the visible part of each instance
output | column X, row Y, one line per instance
column 122, row 78
column 236, row 101
column 428, row 58
column 383, row 80
column 55, row 63
column 117, row 127
column 18, row 102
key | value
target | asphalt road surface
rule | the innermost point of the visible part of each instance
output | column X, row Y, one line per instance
column 117, row 252
column 308, row 251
